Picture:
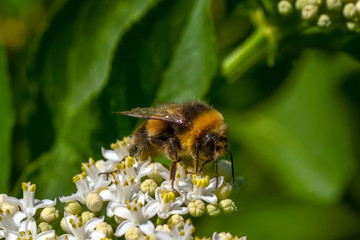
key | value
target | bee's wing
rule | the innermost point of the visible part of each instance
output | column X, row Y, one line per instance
column 163, row 112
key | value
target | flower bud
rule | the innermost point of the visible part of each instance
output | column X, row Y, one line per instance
column 299, row 4
column 86, row 216
column 106, row 229
column 118, row 220
column 176, row 220
column 213, row 210
column 49, row 215
column 309, row 12
column 44, row 226
column 333, row 5
column 100, row 164
column 133, row 233
column 228, row 206
column 94, row 202
column 351, row 26
column 285, row 8
column 225, row 235
column 223, row 191
column 324, row 21
column 154, row 175
column 196, row 208
column 73, row 207
column 163, row 228
column 149, row 186
column 10, row 208
column 357, row 6
column 315, row 2
column 349, row 11
column 64, row 226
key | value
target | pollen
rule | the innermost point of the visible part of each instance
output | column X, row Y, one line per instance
column 129, row 161
column 126, row 140
column 204, row 182
column 168, row 196
column 116, row 145
column 76, row 178
column 33, row 188
column 25, row 186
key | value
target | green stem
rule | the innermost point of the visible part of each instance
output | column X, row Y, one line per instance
column 247, row 54
column 259, row 45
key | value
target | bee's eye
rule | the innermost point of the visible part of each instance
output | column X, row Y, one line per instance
column 209, row 146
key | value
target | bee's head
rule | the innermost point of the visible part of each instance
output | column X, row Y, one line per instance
column 214, row 145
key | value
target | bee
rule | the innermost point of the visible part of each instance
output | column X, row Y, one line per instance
column 177, row 129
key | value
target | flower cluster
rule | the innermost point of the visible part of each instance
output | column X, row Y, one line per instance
column 325, row 13
column 120, row 197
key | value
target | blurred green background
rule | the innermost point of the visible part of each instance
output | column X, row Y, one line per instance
column 289, row 92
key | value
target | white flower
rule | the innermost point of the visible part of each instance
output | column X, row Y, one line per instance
column 79, row 231
column 83, row 189
column 182, row 182
column 119, row 151
column 95, row 179
column 5, row 206
column 28, row 230
column 169, row 204
column 176, row 232
column 10, row 223
column 225, row 236
column 124, row 188
column 135, row 213
column 203, row 189
column 28, row 204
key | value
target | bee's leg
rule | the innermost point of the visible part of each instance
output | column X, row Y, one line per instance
column 196, row 158
column 206, row 162
column 217, row 172
column 171, row 151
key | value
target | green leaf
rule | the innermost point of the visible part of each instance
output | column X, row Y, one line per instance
column 302, row 136
column 194, row 62
column 6, row 123
column 74, row 63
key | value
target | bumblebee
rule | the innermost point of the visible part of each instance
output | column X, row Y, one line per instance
column 191, row 128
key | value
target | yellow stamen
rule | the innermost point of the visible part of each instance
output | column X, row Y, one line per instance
column 168, row 196
column 76, row 178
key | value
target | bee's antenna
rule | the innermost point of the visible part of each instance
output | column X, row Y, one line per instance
column 232, row 165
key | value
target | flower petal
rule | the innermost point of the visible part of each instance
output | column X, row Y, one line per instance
column 45, row 235
column 147, row 227
column 107, row 195
column 44, row 203
column 97, row 235
column 211, row 198
column 92, row 223
column 122, row 211
column 123, row 227
column 73, row 197
column 109, row 154
column 18, row 217
column 212, row 184
column 151, row 209
column 67, row 236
